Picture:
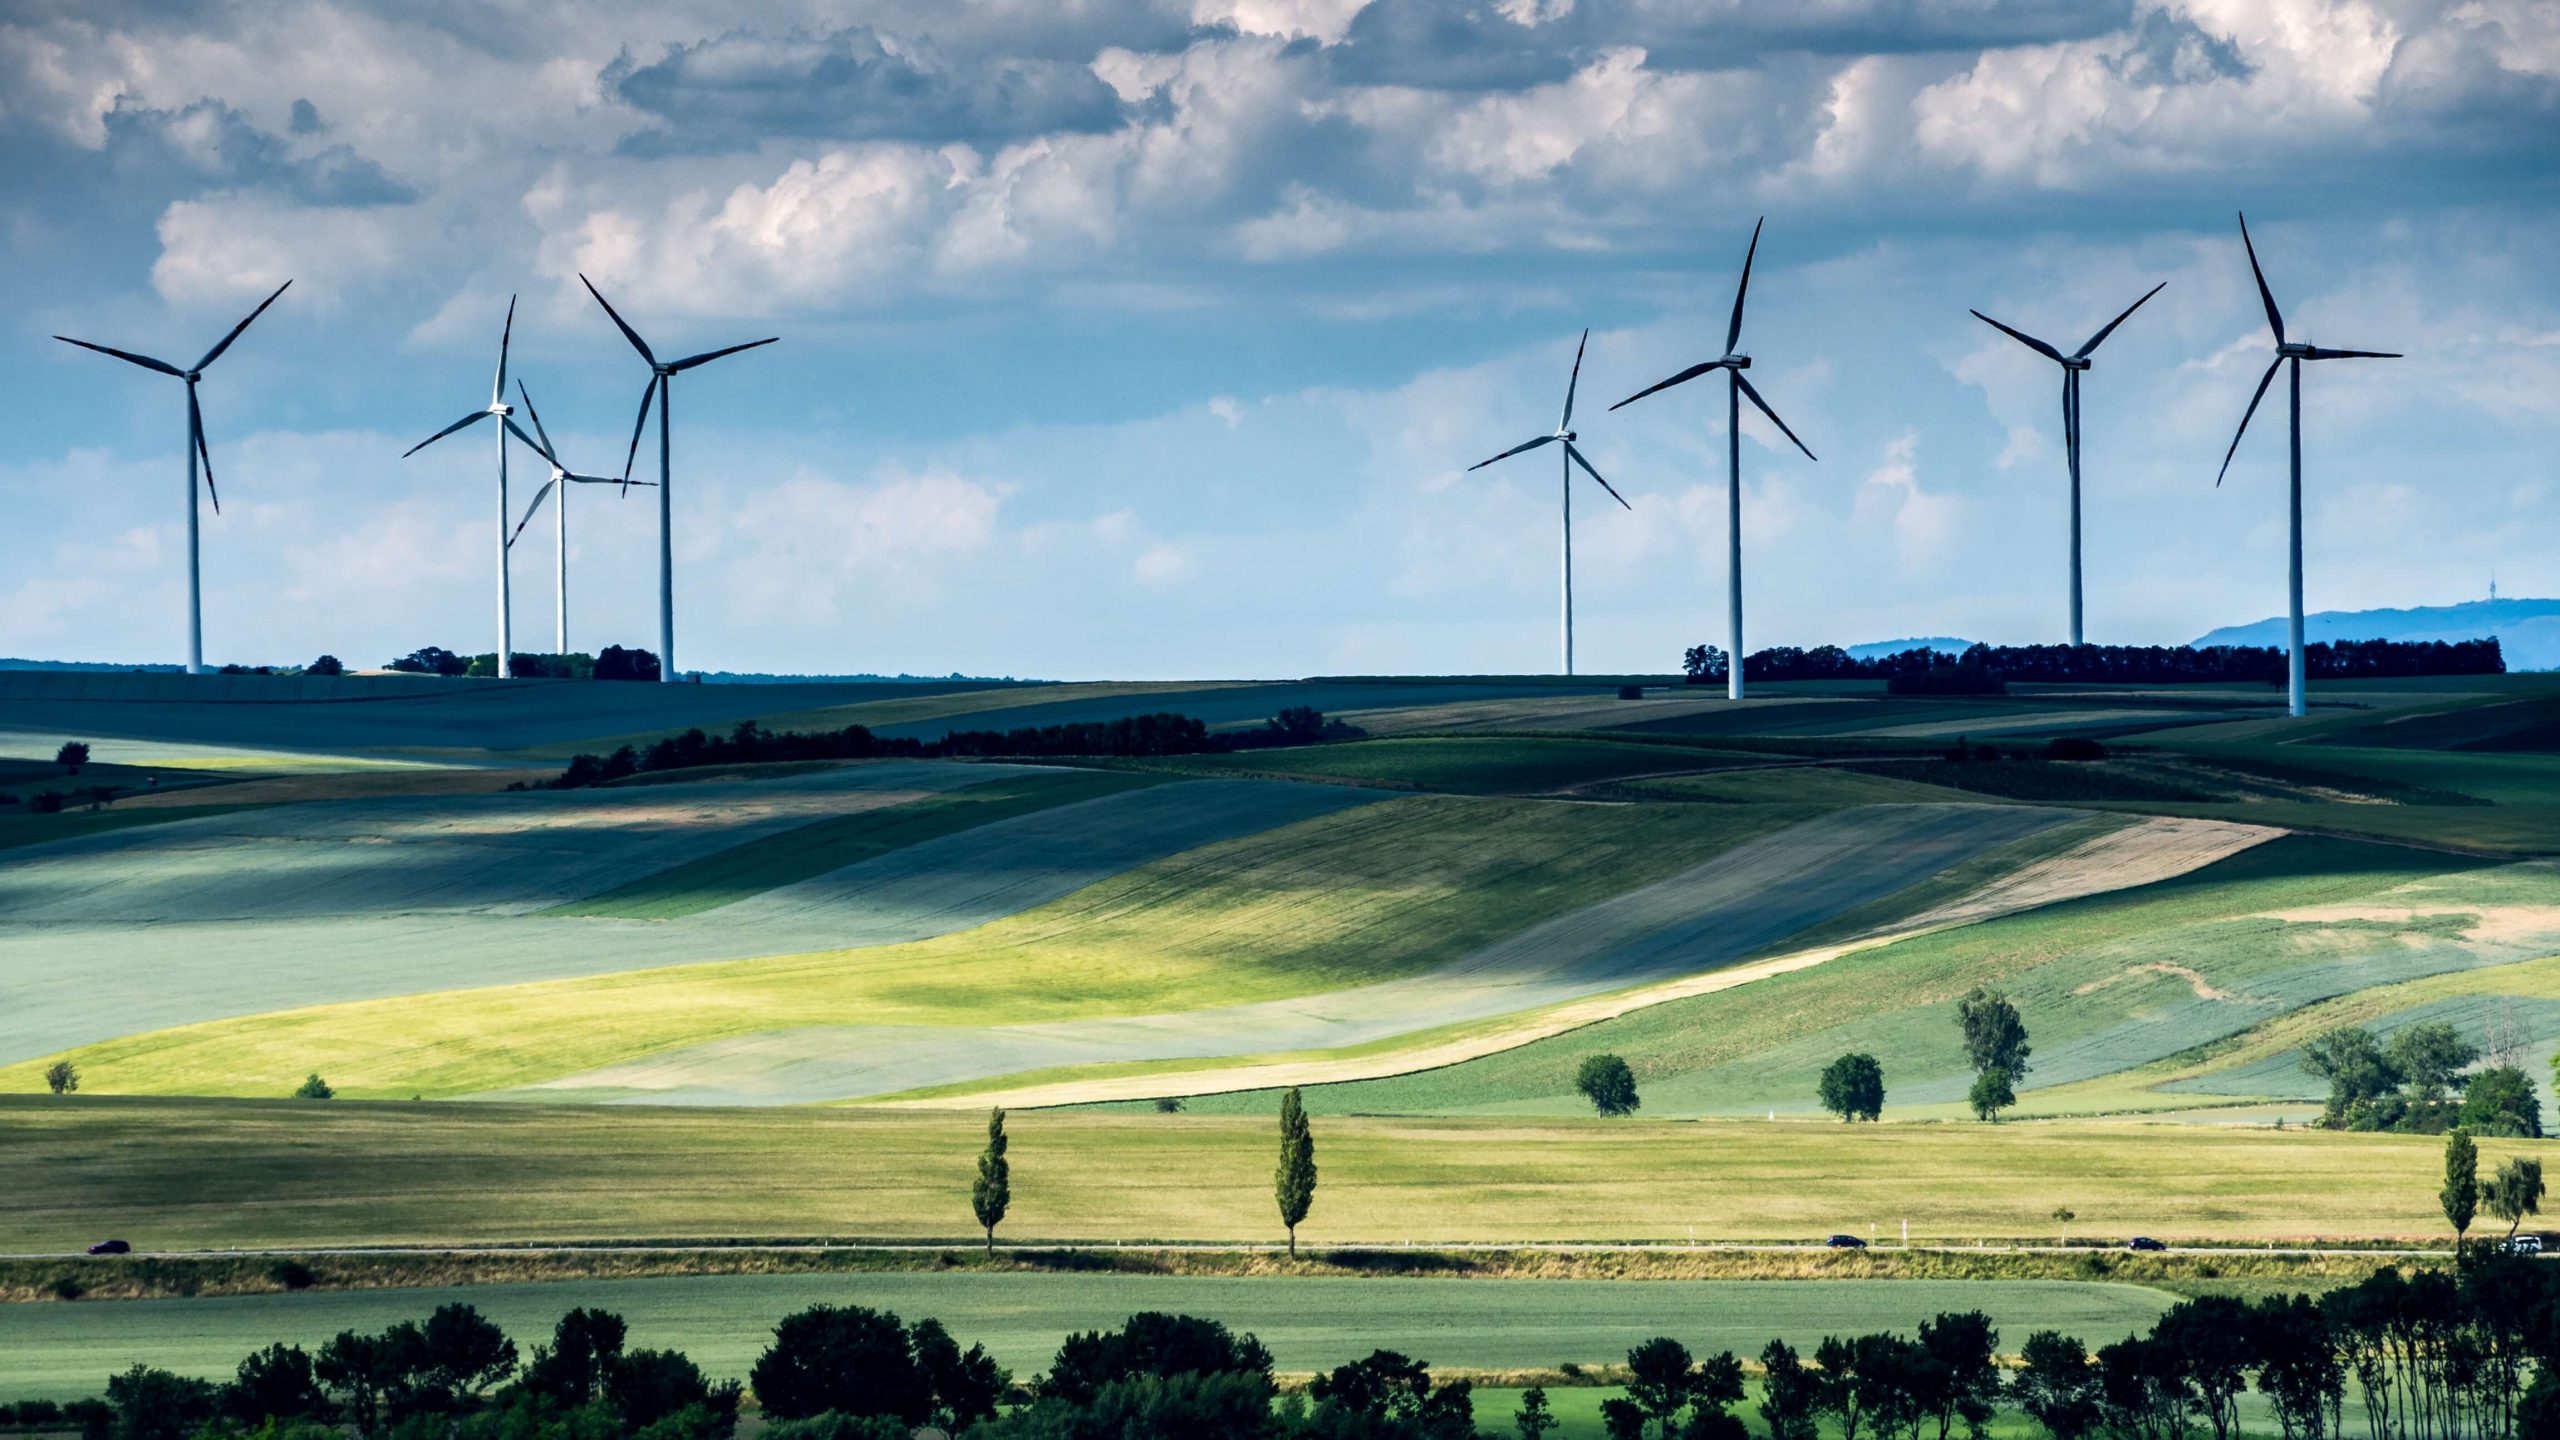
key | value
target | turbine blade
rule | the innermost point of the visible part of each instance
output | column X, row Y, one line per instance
column 2317, row 353
column 707, row 356
column 627, row 332
column 216, row 352
column 145, row 361
column 1574, row 382
column 1575, row 455
column 536, row 446
column 506, row 337
column 474, row 418
column 204, row 452
column 647, row 394
column 1525, row 445
column 1683, row 378
column 529, row 510
column 600, row 479
column 2275, row 317
column 2021, row 336
column 2263, row 382
column 1733, row 332
column 536, row 417
column 1754, row 397
column 2084, row 351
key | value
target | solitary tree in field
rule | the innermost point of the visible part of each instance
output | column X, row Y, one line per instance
column 2461, row 1193
column 314, row 1088
column 61, row 1078
column 1991, row 1094
column 2515, row 1192
column 1533, row 1420
column 1853, row 1087
column 1608, row 1084
column 72, row 755
column 325, row 665
column 1995, row 1038
column 1294, row 1184
column 2063, row 1215
column 993, row 1191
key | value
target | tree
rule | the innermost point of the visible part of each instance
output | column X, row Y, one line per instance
column 325, row 665
column 72, row 755
column 2514, row 1192
column 615, row 663
column 1995, row 1038
column 314, row 1088
column 275, row 1383
column 2056, row 1386
column 1704, row 664
column 993, row 1192
column 61, row 1077
column 2356, row 1067
column 1608, row 1084
column 2430, row 1056
column 2461, row 1193
column 1790, row 1394
column 2207, row 1341
column 460, row 1354
column 847, row 1358
column 1659, row 1377
column 1961, row 1380
column 1150, row 1344
column 1991, row 1094
column 1294, row 1184
column 647, row 1387
column 575, row 1368
column 430, row 660
column 1532, row 1420
column 154, row 1404
column 1853, row 1087
column 2298, row 1366
column 2501, row 1101
column 962, row 1387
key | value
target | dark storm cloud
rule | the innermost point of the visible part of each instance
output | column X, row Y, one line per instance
column 735, row 90
column 210, row 145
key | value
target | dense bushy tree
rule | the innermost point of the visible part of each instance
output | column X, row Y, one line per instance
column 2514, row 1192
column 1995, row 1036
column 615, row 663
column 1991, row 1094
column 1852, row 1087
column 72, row 755
column 430, row 660
column 154, row 1404
column 1151, row 1343
column 61, row 1077
column 1389, row 1395
column 278, row 1382
column 2359, row 1070
column 1790, row 1394
column 325, row 665
column 2501, row 1100
column 1608, row 1083
column 2056, row 1385
column 867, row 1362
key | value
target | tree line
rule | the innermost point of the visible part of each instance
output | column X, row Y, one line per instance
column 2113, row 664
column 613, row 662
column 1129, row 736
column 2466, row 1352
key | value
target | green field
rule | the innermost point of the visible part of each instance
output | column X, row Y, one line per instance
column 724, row 1321
column 812, row 850
column 1469, row 764
column 194, row 1174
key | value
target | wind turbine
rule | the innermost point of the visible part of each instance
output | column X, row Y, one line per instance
column 662, row 374
column 196, row 450
column 2072, row 366
column 2293, row 352
column 1733, row 362
column 1564, row 436
column 505, row 415
column 557, row 489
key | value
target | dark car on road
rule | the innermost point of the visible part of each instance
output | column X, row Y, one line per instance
column 2144, row 1242
column 1846, row 1242
column 111, row 1247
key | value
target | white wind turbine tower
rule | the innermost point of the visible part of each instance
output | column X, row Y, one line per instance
column 196, row 450
column 1733, row 362
column 662, row 375
column 2073, row 366
column 2295, row 352
column 557, row 490
column 1564, row 436
column 505, row 416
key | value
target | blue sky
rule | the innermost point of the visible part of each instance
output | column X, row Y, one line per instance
column 1151, row 337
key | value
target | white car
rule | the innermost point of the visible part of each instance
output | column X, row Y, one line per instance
column 2524, row 1244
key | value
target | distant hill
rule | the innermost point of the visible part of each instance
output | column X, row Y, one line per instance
column 1878, row 648
column 11, row 662
column 2527, row 630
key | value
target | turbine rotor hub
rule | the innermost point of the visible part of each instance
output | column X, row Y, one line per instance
column 194, row 375
column 1567, row 436
column 1737, row 361
column 2078, row 362
column 502, row 409
column 2294, row 348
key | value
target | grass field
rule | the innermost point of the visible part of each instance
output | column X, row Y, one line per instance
column 723, row 1321
column 2106, row 983
column 1468, row 764
column 187, row 1174
column 808, row 851
column 1362, row 895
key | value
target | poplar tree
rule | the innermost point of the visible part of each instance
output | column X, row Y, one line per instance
column 2461, row 1193
column 993, row 1192
column 1295, row 1183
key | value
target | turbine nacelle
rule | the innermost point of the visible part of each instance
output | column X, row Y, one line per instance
column 2077, row 362
column 1736, row 361
column 2297, row 350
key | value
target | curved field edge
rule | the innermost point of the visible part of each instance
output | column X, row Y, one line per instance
column 2066, row 863
column 200, row 1174
column 1758, row 1047
column 1360, row 894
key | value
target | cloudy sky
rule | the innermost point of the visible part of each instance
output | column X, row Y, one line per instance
column 1151, row 337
